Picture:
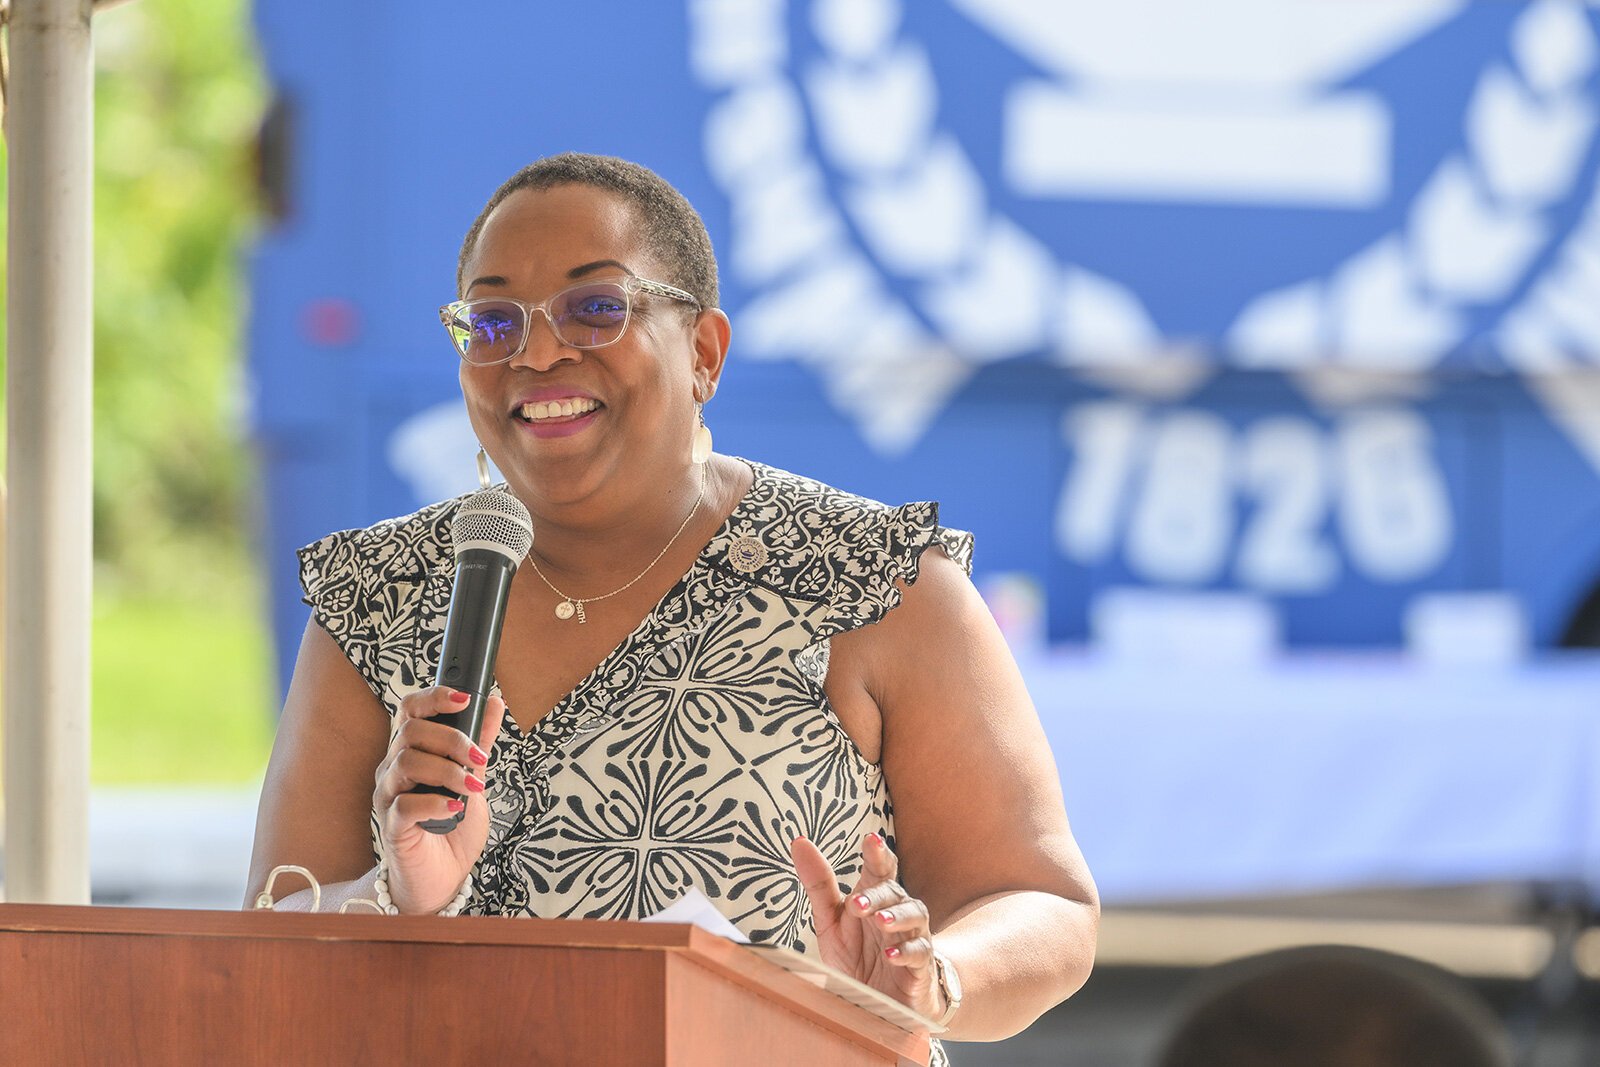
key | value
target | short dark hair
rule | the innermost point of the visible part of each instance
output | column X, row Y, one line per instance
column 1335, row 1006
column 672, row 229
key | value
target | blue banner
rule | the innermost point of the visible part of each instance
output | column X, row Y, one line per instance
column 1288, row 303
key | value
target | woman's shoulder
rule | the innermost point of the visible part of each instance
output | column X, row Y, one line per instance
column 834, row 519
column 781, row 495
column 822, row 542
column 391, row 548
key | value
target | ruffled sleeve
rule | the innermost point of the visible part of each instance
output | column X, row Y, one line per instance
column 334, row 579
column 382, row 593
column 877, row 550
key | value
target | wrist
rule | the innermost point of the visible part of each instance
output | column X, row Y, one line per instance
column 380, row 888
column 948, row 983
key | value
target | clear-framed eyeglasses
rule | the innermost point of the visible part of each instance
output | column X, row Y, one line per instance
column 591, row 314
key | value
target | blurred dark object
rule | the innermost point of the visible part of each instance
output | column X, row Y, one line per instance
column 1335, row 1006
column 274, row 159
column 1584, row 629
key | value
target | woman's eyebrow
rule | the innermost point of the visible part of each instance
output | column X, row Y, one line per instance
column 578, row 272
column 575, row 272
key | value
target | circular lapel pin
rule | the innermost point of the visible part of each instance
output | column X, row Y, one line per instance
column 747, row 555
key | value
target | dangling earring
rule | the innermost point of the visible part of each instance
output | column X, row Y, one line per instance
column 483, row 468
column 700, row 450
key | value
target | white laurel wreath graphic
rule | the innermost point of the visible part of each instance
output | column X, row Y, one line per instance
column 913, row 198
column 1480, row 220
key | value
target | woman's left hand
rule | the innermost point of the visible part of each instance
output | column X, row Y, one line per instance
column 878, row 933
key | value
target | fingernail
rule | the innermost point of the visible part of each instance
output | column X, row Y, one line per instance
column 893, row 952
column 478, row 756
column 875, row 839
column 474, row 784
column 886, row 917
column 457, row 805
column 459, row 697
column 863, row 903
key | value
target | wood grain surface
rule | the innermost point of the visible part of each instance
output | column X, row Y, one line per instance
column 131, row 986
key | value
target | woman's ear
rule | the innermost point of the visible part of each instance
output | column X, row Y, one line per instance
column 712, row 332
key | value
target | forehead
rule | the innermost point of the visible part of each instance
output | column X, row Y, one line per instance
column 535, row 233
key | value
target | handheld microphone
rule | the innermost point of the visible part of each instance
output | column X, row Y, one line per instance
column 491, row 533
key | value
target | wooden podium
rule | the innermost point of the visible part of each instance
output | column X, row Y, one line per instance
column 86, row 985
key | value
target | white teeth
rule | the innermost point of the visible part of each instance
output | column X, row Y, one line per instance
column 559, row 409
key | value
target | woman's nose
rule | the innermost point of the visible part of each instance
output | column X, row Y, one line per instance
column 544, row 349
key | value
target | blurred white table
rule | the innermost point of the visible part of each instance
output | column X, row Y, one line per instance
column 1310, row 775
column 1183, row 783
column 171, row 847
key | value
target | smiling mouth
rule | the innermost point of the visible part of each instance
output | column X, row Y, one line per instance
column 552, row 411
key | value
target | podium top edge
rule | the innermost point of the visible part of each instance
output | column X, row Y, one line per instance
column 355, row 926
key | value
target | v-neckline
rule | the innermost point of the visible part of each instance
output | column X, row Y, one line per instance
column 560, row 715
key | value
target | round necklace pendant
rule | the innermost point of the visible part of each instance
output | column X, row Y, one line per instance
column 565, row 610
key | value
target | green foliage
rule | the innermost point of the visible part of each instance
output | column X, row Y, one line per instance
column 177, row 101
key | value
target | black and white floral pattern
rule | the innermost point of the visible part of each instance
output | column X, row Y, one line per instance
column 700, row 746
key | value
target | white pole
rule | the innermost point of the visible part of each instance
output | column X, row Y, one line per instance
column 49, row 320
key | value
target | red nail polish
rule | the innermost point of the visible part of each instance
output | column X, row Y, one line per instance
column 459, row 698
column 875, row 839
column 478, row 756
column 474, row 785
column 863, row 903
column 893, row 952
column 886, row 918
column 457, row 805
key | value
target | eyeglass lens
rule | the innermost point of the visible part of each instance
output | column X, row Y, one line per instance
column 585, row 316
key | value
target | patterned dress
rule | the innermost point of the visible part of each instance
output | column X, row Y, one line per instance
column 701, row 745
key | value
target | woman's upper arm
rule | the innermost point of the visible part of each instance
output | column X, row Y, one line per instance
column 977, row 797
column 316, row 801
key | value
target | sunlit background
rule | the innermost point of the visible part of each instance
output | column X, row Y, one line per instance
column 178, row 98
column 1255, row 340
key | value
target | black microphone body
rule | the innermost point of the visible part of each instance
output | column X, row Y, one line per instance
column 491, row 534
column 471, row 642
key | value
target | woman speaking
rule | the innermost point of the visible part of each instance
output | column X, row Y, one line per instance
column 713, row 674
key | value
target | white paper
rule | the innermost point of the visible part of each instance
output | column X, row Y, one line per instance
column 695, row 909
column 846, row 988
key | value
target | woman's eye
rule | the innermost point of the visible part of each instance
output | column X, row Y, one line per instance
column 599, row 306
column 491, row 326
column 598, row 311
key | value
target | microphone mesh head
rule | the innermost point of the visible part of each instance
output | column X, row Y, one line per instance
column 495, row 520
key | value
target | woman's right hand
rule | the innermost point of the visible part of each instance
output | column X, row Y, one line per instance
column 425, row 870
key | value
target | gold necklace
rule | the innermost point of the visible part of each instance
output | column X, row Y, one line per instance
column 571, row 605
